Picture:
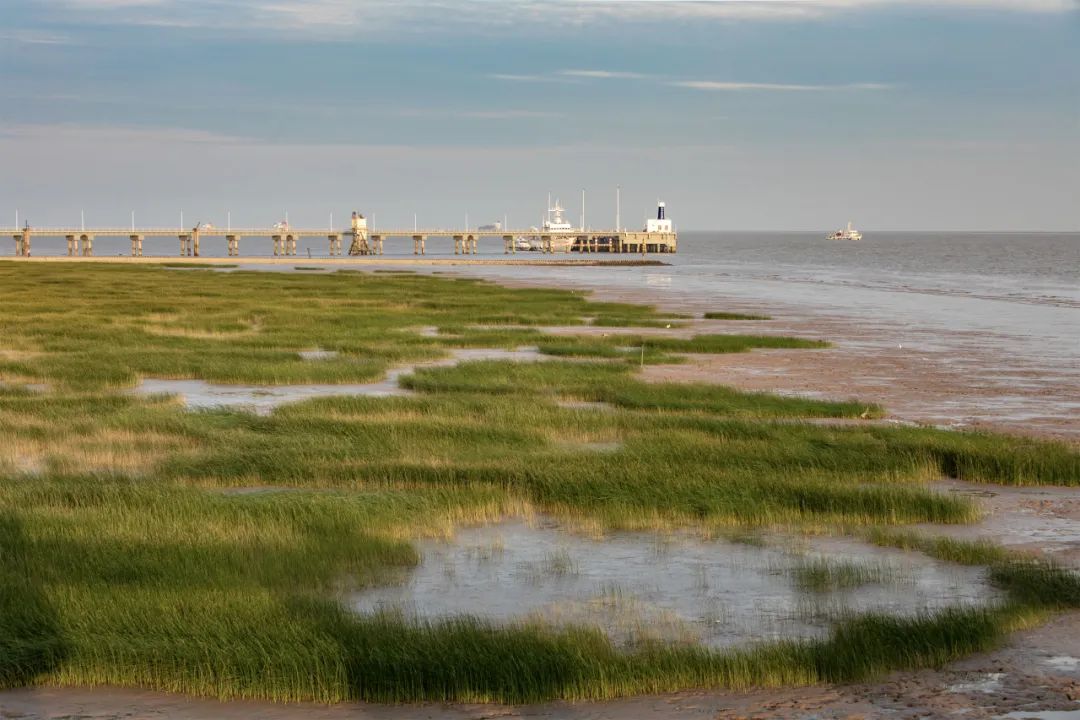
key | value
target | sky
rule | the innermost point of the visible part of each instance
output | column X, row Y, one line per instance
column 739, row 114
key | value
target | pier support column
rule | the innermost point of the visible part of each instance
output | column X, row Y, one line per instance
column 277, row 245
column 184, row 238
column 418, row 244
column 335, row 244
column 359, row 243
column 232, row 242
column 87, row 245
column 22, row 243
column 459, row 244
column 136, row 245
column 377, row 244
column 508, row 245
column 195, row 243
column 545, row 244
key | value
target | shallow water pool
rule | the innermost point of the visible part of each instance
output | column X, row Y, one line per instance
column 674, row 588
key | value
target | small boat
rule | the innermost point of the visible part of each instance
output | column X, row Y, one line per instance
column 521, row 243
column 848, row 233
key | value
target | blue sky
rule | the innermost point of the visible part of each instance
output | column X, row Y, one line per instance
column 741, row 114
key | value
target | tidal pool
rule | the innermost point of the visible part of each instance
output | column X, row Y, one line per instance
column 672, row 588
column 200, row 394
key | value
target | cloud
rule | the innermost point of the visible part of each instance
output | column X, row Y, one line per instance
column 605, row 74
column 494, row 114
column 90, row 134
column 342, row 19
column 34, row 37
column 509, row 77
column 718, row 86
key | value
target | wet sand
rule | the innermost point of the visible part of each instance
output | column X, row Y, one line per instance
column 924, row 374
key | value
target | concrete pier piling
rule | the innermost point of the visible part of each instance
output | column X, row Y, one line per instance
column 136, row 245
column 22, row 243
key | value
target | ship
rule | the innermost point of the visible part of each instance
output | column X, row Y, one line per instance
column 562, row 233
column 848, row 233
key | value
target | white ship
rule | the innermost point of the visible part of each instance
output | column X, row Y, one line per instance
column 562, row 233
column 848, row 233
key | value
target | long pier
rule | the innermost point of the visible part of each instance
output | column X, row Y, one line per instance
column 368, row 241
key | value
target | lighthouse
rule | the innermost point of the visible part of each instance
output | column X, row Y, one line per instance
column 659, row 224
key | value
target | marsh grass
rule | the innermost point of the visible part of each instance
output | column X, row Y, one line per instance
column 132, row 553
column 637, row 349
column 716, row 315
column 824, row 574
column 195, row 265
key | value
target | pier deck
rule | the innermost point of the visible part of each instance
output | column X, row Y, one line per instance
column 80, row 241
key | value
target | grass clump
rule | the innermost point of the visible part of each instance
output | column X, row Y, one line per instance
column 196, row 265
column 734, row 316
column 822, row 574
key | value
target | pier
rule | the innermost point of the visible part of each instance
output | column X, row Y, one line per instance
column 80, row 242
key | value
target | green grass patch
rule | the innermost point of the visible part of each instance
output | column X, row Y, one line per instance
column 734, row 316
column 824, row 574
column 195, row 265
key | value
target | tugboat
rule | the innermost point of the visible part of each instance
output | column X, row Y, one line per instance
column 848, row 233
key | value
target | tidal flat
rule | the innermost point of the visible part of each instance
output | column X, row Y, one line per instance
column 142, row 550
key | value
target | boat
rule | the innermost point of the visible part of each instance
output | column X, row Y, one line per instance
column 522, row 243
column 562, row 233
column 848, row 233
